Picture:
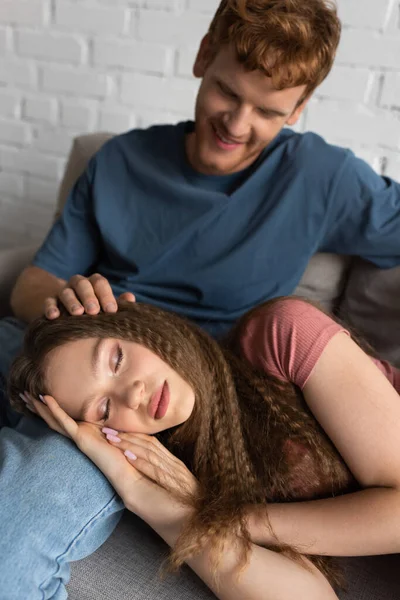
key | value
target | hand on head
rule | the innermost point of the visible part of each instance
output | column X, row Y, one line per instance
column 85, row 295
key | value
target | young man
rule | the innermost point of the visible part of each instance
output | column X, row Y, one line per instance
column 206, row 219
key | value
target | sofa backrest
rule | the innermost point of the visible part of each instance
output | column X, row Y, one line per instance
column 365, row 296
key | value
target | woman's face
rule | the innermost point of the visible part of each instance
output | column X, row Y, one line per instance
column 119, row 384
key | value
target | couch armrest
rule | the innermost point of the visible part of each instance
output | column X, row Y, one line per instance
column 12, row 262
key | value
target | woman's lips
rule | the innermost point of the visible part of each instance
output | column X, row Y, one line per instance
column 164, row 403
column 159, row 402
column 154, row 402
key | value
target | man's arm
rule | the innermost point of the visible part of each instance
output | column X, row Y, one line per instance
column 365, row 215
column 32, row 288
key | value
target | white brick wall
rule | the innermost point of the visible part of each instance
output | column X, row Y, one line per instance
column 70, row 67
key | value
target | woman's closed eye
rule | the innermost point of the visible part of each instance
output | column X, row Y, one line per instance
column 117, row 358
column 106, row 414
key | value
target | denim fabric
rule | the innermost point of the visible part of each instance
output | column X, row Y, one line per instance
column 55, row 505
column 11, row 337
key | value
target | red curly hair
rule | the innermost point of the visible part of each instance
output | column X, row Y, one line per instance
column 292, row 41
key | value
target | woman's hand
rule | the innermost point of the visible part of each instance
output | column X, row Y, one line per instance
column 147, row 477
column 154, row 461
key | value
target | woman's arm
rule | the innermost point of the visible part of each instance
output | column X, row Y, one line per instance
column 269, row 575
column 360, row 411
column 360, row 524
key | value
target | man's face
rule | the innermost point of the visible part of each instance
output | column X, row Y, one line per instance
column 238, row 113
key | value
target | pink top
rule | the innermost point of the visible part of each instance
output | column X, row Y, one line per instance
column 287, row 338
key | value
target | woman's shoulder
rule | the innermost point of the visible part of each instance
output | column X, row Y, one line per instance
column 286, row 336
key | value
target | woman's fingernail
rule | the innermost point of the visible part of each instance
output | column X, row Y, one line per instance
column 110, row 431
column 113, row 438
column 91, row 306
column 42, row 399
column 130, row 455
column 111, row 306
column 23, row 398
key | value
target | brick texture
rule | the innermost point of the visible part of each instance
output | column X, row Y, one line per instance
column 70, row 67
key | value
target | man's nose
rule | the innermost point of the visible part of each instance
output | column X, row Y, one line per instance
column 237, row 123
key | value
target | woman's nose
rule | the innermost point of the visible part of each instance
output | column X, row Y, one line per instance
column 135, row 395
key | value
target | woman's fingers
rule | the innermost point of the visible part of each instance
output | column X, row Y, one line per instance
column 47, row 408
column 39, row 408
column 63, row 420
column 152, row 459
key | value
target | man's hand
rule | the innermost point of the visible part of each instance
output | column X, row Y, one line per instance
column 85, row 295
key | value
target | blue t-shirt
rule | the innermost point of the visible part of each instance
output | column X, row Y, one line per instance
column 212, row 247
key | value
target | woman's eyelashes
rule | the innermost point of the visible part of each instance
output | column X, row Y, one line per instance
column 106, row 414
column 119, row 358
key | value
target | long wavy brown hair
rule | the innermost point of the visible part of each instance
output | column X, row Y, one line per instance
column 250, row 439
column 292, row 41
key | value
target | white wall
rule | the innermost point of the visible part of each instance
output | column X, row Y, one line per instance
column 73, row 66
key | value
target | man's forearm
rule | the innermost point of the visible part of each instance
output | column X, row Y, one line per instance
column 268, row 576
column 33, row 286
column 359, row 524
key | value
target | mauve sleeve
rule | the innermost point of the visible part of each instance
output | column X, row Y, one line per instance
column 287, row 337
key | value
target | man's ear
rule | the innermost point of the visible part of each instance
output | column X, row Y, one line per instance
column 203, row 57
column 296, row 114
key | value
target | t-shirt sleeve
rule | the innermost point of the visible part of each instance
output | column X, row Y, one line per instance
column 73, row 243
column 365, row 215
column 286, row 339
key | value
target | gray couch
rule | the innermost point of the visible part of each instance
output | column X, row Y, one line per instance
column 125, row 567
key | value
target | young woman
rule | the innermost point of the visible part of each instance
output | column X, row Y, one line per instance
column 262, row 456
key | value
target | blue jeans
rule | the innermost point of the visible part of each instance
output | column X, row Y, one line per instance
column 55, row 505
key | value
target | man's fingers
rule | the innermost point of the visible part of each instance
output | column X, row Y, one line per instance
column 128, row 297
column 51, row 309
column 85, row 292
column 104, row 293
column 68, row 298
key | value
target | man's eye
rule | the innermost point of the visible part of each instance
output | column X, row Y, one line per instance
column 227, row 92
column 265, row 114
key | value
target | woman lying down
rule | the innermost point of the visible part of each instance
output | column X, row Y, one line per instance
column 257, row 460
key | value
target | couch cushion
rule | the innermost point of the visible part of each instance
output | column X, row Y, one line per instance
column 12, row 262
column 371, row 305
column 126, row 567
column 325, row 279
column 83, row 148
